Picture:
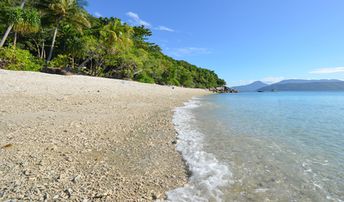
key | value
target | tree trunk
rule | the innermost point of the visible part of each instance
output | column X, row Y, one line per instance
column 43, row 50
column 38, row 48
column 83, row 64
column 73, row 61
column 22, row 4
column 9, row 28
column 15, row 39
column 44, row 54
column 3, row 40
column 52, row 45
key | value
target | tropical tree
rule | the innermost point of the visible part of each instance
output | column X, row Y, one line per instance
column 116, row 36
column 114, row 40
column 24, row 22
column 64, row 10
column 10, row 26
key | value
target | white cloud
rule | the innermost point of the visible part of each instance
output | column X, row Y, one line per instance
column 135, row 19
column 163, row 28
column 329, row 70
column 272, row 79
column 187, row 51
column 98, row 15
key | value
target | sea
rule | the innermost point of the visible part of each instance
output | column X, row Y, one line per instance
column 273, row 146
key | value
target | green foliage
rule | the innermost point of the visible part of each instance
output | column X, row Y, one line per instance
column 25, row 21
column 61, row 61
column 5, row 7
column 107, row 48
column 115, row 36
column 17, row 59
column 144, row 77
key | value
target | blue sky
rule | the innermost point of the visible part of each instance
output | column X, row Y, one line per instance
column 243, row 40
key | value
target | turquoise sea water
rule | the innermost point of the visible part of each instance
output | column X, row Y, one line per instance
column 284, row 146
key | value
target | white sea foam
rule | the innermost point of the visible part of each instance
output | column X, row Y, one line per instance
column 208, row 175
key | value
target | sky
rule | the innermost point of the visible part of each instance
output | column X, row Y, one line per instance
column 243, row 40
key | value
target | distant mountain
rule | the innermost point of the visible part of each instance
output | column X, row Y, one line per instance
column 305, row 85
column 250, row 87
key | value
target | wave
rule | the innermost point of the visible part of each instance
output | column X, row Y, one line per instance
column 208, row 175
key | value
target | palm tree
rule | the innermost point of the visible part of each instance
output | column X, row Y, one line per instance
column 116, row 36
column 9, row 28
column 64, row 10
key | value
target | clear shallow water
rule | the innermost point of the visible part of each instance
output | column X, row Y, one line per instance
column 263, row 146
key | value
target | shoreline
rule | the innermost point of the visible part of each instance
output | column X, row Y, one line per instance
column 77, row 137
column 204, row 181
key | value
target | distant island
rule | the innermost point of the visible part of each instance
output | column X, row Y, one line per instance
column 294, row 85
column 250, row 87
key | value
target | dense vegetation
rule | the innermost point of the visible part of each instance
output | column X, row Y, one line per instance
column 61, row 34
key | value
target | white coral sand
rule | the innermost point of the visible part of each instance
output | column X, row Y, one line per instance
column 78, row 137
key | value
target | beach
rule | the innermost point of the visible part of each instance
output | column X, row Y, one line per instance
column 86, row 138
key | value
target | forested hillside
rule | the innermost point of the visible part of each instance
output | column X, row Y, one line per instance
column 37, row 34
